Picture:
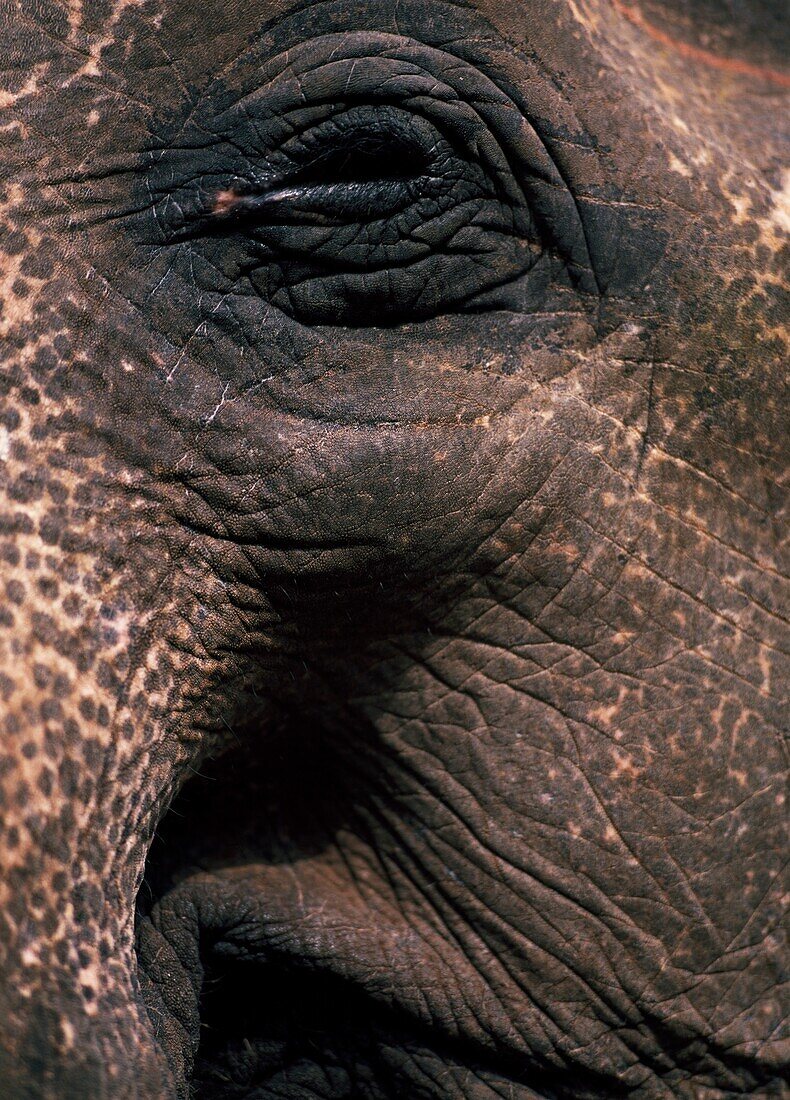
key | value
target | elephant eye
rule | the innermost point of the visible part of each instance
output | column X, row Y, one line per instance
column 350, row 170
column 370, row 215
column 369, row 191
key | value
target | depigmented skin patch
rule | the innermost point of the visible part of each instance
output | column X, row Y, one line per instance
column 462, row 637
column 225, row 202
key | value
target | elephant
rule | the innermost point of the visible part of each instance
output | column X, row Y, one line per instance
column 393, row 623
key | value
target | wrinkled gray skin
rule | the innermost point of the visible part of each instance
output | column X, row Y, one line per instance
column 445, row 585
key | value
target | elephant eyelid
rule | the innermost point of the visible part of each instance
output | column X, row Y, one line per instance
column 354, row 199
column 365, row 166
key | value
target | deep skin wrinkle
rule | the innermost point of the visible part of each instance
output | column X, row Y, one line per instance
column 455, row 626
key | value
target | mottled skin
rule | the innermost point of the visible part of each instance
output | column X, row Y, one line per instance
column 462, row 626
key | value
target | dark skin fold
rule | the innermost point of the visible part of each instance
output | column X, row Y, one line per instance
column 393, row 646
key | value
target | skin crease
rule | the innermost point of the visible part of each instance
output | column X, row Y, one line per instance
column 462, row 637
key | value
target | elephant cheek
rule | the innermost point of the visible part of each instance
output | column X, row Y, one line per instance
column 81, row 775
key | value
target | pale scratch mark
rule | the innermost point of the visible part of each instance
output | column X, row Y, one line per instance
column 350, row 77
column 219, row 406
column 201, row 329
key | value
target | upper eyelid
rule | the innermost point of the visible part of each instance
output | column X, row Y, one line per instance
column 431, row 81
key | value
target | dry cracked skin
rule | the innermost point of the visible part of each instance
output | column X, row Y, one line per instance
column 393, row 449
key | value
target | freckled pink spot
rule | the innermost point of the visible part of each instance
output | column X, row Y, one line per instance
column 225, row 202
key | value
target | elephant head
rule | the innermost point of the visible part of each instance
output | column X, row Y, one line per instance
column 392, row 649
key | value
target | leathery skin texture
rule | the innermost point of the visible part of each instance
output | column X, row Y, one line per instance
column 393, row 587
